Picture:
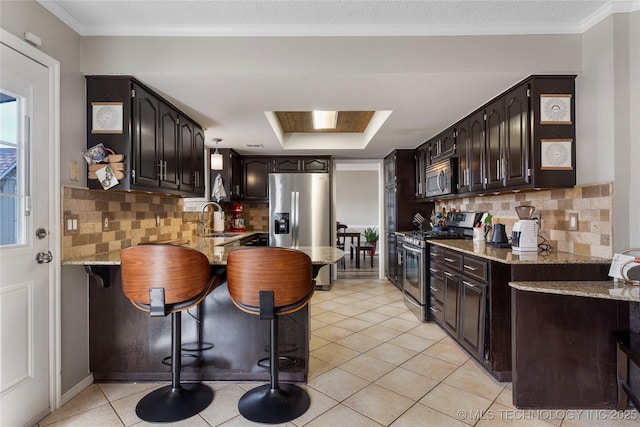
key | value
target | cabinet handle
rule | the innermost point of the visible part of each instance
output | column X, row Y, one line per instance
column 433, row 270
column 160, row 169
column 449, row 274
column 449, row 259
column 434, row 289
column 165, row 169
column 469, row 284
column 498, row 174
column 468, row 267
column 433, row 309
column 503, row 173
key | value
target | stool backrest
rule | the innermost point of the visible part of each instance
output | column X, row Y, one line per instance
column 286, row 272
column 184, row 274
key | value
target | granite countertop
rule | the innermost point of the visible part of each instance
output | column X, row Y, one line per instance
column 214, row 248
column 506, row 256
column 591, row 289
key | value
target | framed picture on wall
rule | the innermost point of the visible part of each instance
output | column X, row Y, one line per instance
column 106, row 117
column 556, row 154
column 555, row 109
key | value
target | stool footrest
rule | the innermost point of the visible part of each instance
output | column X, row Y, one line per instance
column 628, row 350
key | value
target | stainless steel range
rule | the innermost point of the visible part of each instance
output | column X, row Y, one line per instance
column 415, row 281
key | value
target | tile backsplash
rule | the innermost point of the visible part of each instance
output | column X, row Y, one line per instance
column 593, row 203
column 131, row 218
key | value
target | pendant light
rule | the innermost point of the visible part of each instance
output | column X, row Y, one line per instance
column 216, row 158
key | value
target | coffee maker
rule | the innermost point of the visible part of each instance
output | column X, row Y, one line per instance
column 524, row 237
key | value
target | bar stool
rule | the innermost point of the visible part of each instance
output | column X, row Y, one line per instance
column 270, row 282
column 162, row 280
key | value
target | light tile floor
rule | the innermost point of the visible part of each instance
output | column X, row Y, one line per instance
column 372, row 364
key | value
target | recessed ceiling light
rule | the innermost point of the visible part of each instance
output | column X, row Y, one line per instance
column 325, row 119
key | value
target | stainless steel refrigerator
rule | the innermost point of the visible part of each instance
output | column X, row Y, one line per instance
column 300, row 213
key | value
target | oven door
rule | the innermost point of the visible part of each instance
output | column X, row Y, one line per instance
column 413, row 281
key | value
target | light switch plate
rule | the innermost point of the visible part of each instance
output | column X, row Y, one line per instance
column 70, row 224
column 74, row 171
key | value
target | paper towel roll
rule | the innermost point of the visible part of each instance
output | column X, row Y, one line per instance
column 218, row 222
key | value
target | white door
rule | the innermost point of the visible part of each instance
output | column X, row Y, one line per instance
column 25, row 285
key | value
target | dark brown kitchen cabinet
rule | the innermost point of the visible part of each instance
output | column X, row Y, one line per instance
column 451, row 300
column 167, row 158
column 494, row 142
column 231, row 174
column 255, row 178
column 192, row 149
column 146, row 134
column 163, row 148
column 517, row 143
column 502, row 145
column 421, row 161
column 442, row 146
column 301, row 164
column 391, row 265
column 400, row 203
column 473, row 302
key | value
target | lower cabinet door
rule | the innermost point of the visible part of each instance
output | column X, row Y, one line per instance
column 472, row 316
column 450, row 303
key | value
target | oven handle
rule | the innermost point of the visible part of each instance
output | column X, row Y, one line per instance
column 412, row 248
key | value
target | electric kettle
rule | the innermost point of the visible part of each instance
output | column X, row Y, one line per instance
column 499, row 234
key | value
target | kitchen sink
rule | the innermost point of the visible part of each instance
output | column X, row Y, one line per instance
column 225, row 234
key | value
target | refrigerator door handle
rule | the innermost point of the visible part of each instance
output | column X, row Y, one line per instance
column 294, row 217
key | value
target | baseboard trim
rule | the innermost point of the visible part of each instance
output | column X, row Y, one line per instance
column 75, row 390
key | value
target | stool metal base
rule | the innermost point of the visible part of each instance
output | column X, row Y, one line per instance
column 274, row 406
column 168, row 405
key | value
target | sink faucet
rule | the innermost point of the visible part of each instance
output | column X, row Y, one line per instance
column 202, row 224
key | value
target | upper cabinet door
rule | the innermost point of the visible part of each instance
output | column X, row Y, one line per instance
column 315, row 165
column 255, row 178
column 475, row 151
column 146, row 131
column 286, row 165
column 187, row 161
column 494, row 162
column 169, row 142
column 462, row 134
column 517, row 147
column 198, row 161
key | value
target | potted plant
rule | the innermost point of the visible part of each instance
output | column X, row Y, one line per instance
column 371, row 237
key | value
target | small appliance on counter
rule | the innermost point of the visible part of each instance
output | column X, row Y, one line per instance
column 524, row 237
column 237, row 223
column 499, row 238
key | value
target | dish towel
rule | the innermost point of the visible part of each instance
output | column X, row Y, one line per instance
column 218, row 191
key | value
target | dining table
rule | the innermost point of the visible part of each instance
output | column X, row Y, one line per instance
column 352, row 235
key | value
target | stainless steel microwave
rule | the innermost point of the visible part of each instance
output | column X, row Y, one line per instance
column 440, row 178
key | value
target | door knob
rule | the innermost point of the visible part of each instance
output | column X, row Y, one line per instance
column 44, row 258
column 41, row 233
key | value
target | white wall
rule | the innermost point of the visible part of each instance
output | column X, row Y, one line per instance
column 62, row 44
column 608, row 122
column 357, row 198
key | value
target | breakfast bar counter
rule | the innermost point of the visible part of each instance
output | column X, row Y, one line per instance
column 126, row 344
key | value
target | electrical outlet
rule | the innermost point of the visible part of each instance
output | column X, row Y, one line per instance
column 157, row 220
column 105, row 221
column 573, row 221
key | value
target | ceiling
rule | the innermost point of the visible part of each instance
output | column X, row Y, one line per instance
column 257, row 57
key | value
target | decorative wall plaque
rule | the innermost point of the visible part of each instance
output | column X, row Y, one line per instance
column 556, row 154
column 555, row 109
column 106, row 117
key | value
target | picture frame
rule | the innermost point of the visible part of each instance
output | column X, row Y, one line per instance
column 107, row 117
column 555, row 109
column 556, row 154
